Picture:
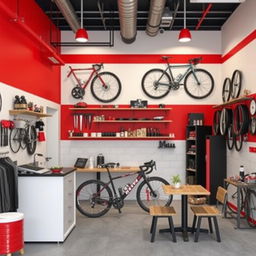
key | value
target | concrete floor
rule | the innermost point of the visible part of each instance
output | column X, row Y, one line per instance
column 128, row 234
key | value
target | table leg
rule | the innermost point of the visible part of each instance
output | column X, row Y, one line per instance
column 184, row 217
column 238, row 220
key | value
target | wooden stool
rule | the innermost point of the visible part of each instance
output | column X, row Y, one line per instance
column 161, row 212
column 210, row 212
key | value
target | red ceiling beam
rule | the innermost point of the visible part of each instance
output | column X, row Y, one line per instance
column 203, row 16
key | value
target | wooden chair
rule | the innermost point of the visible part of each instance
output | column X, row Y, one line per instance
column 210, row 212
column 161, row 212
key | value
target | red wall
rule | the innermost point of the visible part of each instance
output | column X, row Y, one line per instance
column 23, row 62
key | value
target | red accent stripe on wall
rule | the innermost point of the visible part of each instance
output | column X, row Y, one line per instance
column 239, row 46
column 138, row 58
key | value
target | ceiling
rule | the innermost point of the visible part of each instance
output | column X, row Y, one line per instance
column 214, row 20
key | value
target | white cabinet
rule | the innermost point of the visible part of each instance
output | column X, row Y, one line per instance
column 48, row 204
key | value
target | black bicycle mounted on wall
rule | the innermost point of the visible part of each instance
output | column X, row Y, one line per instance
column 94, row 198
column 198, row 83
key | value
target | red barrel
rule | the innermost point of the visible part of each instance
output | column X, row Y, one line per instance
column 11, row 232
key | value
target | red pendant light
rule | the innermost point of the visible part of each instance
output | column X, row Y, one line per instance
column 81, row 34
column 184, row 35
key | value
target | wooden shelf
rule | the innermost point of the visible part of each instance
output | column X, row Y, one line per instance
column 132, row 121
column 121, row 109
column 121, row 138
column 27, row 112
column 191, row 170
column 233, row 102
column 119, row 169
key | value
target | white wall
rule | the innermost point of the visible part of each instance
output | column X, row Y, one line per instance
column 169, row 161
column 8, row 93
column 241, row 23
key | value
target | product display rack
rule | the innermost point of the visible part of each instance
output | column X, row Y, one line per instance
column 195, row 154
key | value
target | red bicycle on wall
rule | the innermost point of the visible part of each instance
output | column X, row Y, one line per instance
column 105, row 86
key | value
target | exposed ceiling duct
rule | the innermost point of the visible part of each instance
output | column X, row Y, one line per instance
column 128, row 19
column 69, row 14
column 155, row 16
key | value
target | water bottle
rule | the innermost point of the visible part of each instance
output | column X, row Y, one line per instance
column 100, row 160
column 178, row 77
column 241, row 172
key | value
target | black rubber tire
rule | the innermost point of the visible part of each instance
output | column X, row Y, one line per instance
column 238, row 142
column 97, row 184
column 236, row 84
column 165, row 199
column 241, row 119
column 252, row 126
column 114, row 86
column 15, row 140
column 216, row 122
column 78, row 92
column 249, row 207
column 144, row 84
column 31, row 140
column 226, row 89
column 230, row 138
column 190, row 75
column 226, row 118
column 232, row 197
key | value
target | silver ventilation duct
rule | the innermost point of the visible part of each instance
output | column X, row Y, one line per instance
column 128, row 19
column 155, row 16
column 69, row 14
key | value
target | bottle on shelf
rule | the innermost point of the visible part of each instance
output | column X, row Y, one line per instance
column 241, row 172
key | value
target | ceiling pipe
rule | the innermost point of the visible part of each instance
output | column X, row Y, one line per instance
column 154, row 18
column 203, row 16
column 128, row 19
column 69, row 14
column 51, row 54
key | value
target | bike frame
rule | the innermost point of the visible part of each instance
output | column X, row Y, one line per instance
column 190, row 67
column 140, row 175
column 84, row 85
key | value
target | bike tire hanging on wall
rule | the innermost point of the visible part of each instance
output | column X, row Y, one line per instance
column 236, row 84
column 230, row 138
column 238, row 142
column 241, row 119
column 226, row 118
column 216, row 122
column 226, row 90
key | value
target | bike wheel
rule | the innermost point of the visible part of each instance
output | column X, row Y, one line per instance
column 241, row 119
column 78, row 92
column 23, row 143
column 236, row 84
column 201, row 90
column 238, row 142
column 108, row 91
column 225, row 120
column 226, row 90
column 146, row 198
column 230, row 138
column 216, row 122
column 31, row 139
column 15, row 140
column 232, row 199
column 150, row 86
column 93, row 198
column 250, row 208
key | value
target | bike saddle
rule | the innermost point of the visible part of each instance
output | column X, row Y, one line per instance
column 195, row 60
column 98, row 66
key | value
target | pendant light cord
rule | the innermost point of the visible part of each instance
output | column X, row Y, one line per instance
column 82, row 14
column 184, row 13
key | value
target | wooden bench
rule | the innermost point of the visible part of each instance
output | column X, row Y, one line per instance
column 161, row 212
column 210, row 212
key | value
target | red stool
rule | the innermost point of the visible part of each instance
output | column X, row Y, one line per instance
column 11, row 233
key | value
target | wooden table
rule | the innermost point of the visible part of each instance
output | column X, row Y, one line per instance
column 100, row 170
column 239, row 187
column 184, row 191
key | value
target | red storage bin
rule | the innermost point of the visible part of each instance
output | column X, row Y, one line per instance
column 11, row 232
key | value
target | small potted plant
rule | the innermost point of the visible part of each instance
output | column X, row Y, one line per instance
column 176, row 181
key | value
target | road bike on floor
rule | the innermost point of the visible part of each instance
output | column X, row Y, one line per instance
column 198, row 83
column 105, row 86
column 247, row 202
column 94, row 198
